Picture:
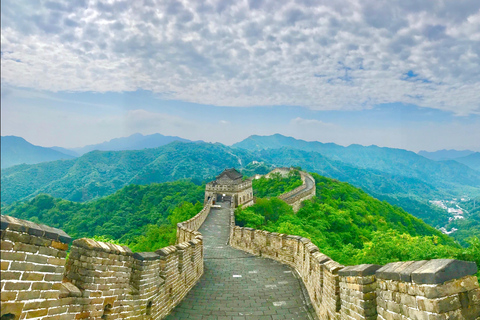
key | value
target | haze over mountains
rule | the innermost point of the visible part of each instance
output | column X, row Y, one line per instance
column 445, row 154
column 16, row 150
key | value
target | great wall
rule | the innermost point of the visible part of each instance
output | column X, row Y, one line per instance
column 224, row 272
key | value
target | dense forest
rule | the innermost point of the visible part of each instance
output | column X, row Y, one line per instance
column 276, row 184
column 142, row 217
column 353, row 228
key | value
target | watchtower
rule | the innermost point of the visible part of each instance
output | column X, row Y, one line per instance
column 230, row 186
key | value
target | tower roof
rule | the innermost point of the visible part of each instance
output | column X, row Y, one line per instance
column 232, row 174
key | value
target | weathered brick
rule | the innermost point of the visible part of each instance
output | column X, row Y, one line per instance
column 37, row 313
column 12, row 256
column 53, row 277
column 36, row 258
column 56, row 261
column 6, row 245
column 28, row 295
column 32, row 276
column 10, row 275
column 19, row 246
column 8, row 295
column 17, row 285
column 21, row 266
column 4, row 265
column 41, row 286
column 59, row 245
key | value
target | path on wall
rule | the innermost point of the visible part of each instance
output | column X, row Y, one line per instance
column 309, row 185
column 238, row 285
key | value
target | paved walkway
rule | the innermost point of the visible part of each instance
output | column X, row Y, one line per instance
column 238, row 285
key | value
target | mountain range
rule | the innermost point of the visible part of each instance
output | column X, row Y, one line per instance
column 136, row 141
column 16, row 150
column 444, row 154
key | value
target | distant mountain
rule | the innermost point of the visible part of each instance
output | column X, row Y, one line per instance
column 16, row 150
column 136, row 141
column 66, row 151
column 472, row 160
column 445, row 154
column 100, row 173
column 448, row 175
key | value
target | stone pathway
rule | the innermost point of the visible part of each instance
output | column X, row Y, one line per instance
column 238, row 285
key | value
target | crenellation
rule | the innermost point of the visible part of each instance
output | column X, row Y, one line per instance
column 99, row 280
column 434, row 289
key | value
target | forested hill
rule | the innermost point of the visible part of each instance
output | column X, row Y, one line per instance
column 353, row 228
column 143, row 217
column 101, row 173
column 449, row 175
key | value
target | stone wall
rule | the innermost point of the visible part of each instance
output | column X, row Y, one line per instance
column 98, row 280
column 304, row 192
column 417, row 290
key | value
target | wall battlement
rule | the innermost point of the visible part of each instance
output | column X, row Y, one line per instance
column 432, row 290
column 98, row 280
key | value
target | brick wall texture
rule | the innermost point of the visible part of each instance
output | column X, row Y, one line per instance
column 98, row 280
column 438, row 289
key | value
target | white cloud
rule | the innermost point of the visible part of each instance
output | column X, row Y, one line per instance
column 347, row 54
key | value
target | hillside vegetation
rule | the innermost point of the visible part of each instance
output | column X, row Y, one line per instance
column 276, row 184
column 353, row 228
column 449, row 175
column 142, row 217
column 99, row 173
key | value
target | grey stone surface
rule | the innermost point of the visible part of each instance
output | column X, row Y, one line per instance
column 238, row 285
column 146, row 256
column 441, row 270
column 359, row 270
column 39, row 230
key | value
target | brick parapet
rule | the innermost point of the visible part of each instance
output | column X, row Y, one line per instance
column 99, row 280
column 431, row 290
column 301, row 193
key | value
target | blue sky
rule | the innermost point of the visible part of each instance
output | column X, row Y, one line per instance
column 403, row 74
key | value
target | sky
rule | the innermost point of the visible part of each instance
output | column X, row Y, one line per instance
column 396, row 73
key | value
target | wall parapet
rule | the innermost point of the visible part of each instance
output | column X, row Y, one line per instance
column 434, row 289
column 306, row 191
column 98, row 280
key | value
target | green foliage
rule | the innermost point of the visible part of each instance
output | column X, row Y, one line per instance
column 276, row 184
column 353, row 228
column 142, row 217
column 100, row 173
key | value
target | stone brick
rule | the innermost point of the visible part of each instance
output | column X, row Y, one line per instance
column 19, row 246
column 12, row 256
column 8, row 295
column 17, row 285
column 37, row 313
column 28, row 295
column 10, row 275
column 36, row 258
column 59, row 245
column 33, row 276
column 12, row 307
column 6, row 245
column 4, row 265
column 41, row 286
